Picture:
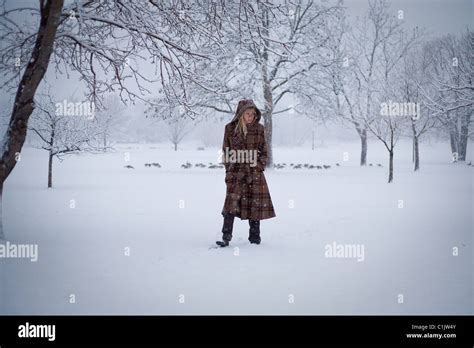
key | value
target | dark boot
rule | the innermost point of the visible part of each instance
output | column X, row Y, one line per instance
column 254, row 233
column 226, row 230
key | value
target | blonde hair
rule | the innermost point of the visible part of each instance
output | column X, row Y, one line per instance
column 241, row 127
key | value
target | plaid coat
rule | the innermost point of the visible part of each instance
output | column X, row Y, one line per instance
column 247, row 194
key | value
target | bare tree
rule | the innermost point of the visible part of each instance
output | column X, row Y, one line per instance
column 173, row 116
column 107, row 119
column 178, row 128
column 379, row 43
column 364, row 77
column 61, row 133
column 88, row 37
column 413, row 74
column 393, row 49
column 270, row 49
column 348, row 88
column 450, row 93
column 50, row 12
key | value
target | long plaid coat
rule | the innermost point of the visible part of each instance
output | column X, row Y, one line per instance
column 247, row 194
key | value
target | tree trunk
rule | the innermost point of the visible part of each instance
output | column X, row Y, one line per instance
column 51, row 155
column 464, row 136
column 453, row 140
column 176, row 146
column 416, row 152
column 267, row 91
column 50, row 169
column 23, row 104
column 363, row 150
column 390, row 167
column 268, row 138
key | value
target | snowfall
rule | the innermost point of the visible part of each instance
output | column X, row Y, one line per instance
column 116, row 240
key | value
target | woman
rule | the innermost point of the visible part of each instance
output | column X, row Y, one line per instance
column 245, row 156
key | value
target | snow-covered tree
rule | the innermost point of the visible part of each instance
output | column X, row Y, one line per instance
column 375, row 46
column 172, row 116
column 177, row 130
column 109, row 120
column 450, row 93
column 413, row 76
column 62, row 131
column 393, row 107
column 105, row 42
column 368, row 54
column 39, row 52
column 269, row 50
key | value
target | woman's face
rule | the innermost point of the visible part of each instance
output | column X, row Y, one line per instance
column 249, row 116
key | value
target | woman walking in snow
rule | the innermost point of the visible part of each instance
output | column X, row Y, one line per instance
column 245, row 156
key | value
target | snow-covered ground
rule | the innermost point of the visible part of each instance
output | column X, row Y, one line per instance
column 167, row 218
